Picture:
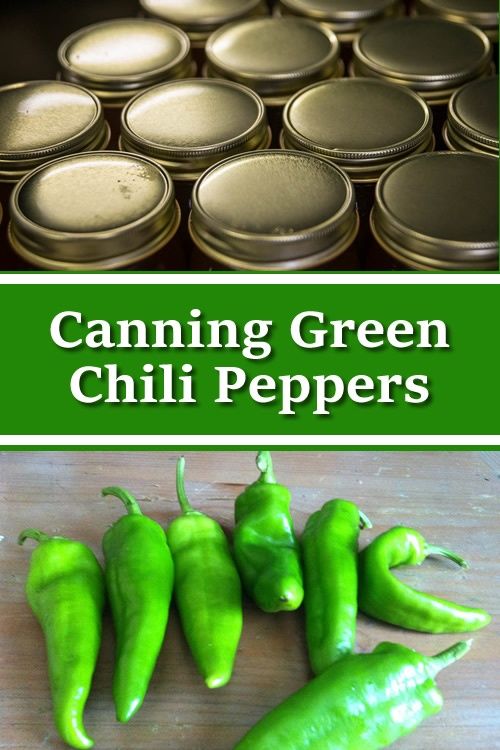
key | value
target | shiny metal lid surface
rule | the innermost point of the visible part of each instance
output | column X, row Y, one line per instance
column 40, row 120
column 431, row 55
column 202, row 16
column 481, row 13
column 117, row 58
column 273, row 56
column 102, row 209
column 343, row 15
column 191, row 124
column 274, row 206
column 361, row 124
column 473, row 117
column 440, row 211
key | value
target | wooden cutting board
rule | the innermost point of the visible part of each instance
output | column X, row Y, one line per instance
column 452, row 497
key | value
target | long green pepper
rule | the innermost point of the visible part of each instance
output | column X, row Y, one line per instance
column 362, row 702
column 383, row 596
column 65, row 589
column 330, row 553
column 207, row 589
column 266, row 549
column 139, row 579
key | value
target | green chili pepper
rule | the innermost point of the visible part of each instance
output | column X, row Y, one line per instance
column 207, row 589
column 65, row 589
column 383, row 596
column 363, row 702
column 330, row 551
column 266, row 550
column 139, row 579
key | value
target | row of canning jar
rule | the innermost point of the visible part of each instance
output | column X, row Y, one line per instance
column 363, row 125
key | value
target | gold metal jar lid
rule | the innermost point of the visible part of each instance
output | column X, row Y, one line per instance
column 94, row 211
column 480, row 13
column 439, row 211
column 40, row 120
column 274, row 56
column 362, row 124
column 191, row 124
column 118, row 58
column 344, row 17
column 472, row 123
column 430, row 55
column 273, row 210
column 200, row 17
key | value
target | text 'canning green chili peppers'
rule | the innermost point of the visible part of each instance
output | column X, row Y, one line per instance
column 139, row 580
column 266, row 550
column 65, row 589
column 383, row 596
column 207, row 589
column 362, row 702
column 330, row 554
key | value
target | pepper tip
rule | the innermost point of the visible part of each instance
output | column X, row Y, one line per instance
column 216, row 681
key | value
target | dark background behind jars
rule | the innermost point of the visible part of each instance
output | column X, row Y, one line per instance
column 31, row 31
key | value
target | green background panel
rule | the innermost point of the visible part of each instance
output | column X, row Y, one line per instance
column 463, row 380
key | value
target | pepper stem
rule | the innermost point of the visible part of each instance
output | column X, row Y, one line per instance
column 126, row 497
column 38, row 536
column 450, row 655
column 186, row 506
column 364, row 521
column 430, row 549
column 265, row 466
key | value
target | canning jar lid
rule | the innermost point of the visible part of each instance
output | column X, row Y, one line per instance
column 430, row 55
column 191, row 124
column 480, row 13
column 119, row 57
column 200, row 17
column 40, row 120
column 343, row 16
column 273, row 209
column 361, row 124
column 439, row 211
column 472, row 123
column 273, row 56
column 99, row 210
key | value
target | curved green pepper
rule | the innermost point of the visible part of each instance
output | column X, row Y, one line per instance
column 65, row 589
column 266, row 550
column 330, row 553
column 207, row 589
column 139, row 578
column 363, row 702
column 384, row 597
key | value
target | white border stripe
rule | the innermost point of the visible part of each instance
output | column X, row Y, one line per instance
column 243, row 440
column 235, row 279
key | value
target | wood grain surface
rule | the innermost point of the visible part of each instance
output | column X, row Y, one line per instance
column 453, row 498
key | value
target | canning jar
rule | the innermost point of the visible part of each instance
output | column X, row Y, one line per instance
column 363, row 125
column 273, row 211
column 40, row 120
column 198, row 18
column 275, row 57
column 91, row 212
column 189, row 125
column 116, row 59
column 472, row 123
column 345, row 17
column 432, row 56
column 480, row 13
column 439, row 211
